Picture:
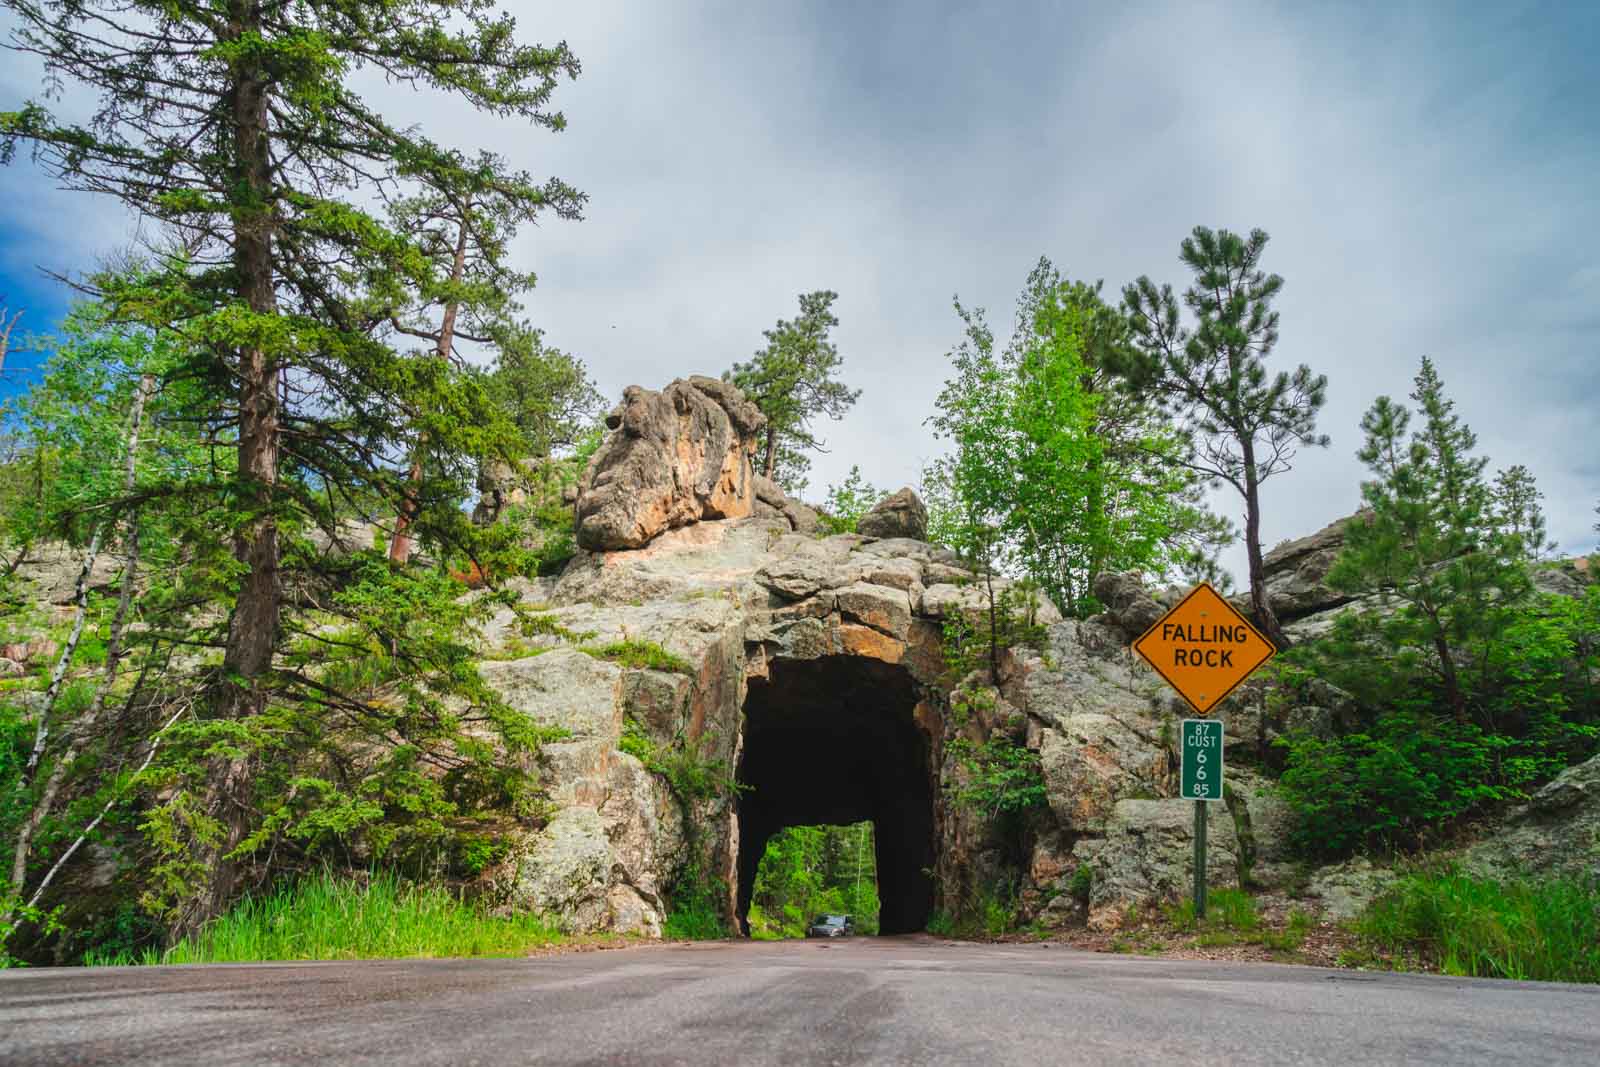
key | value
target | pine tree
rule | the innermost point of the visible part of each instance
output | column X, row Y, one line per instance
column 1517, row 511
column 463, row 223
column 1244, row 426
column 234, row 125
column 1430, row 538
column 792, row 381
column 547, row 393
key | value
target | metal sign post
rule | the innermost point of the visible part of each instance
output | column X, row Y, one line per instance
column 1200, row 780
column 1204, row 649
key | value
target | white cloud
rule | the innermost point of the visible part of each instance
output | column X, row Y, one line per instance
column 1425, row 178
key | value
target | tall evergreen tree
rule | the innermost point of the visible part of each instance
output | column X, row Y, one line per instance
column 1430, row 538
column 547, row 393
column 1244, row 425
column 235, row 124
column 463, row 222
column 792, row 381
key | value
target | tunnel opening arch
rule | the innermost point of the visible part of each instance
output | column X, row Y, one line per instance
column 842, row 739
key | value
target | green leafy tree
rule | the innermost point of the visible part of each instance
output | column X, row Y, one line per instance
column 813, row 870
column 1243, row 425
column 1057, row 475
column 235, row 126
column 848, row 501
column 793, row 381
column 547, row 393
column 119, row 433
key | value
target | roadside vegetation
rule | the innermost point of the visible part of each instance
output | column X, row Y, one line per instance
column 1446, row 920
column 330, row 917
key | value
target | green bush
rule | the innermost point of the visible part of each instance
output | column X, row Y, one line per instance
column 1409, row 777
column 1002, row 777
column 1412, row 768
column 1545, row 930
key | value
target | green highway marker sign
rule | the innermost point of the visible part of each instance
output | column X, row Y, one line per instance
column 1200, row 773
column 1200, row 780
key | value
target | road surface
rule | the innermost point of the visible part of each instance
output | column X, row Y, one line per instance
column 891, row 1000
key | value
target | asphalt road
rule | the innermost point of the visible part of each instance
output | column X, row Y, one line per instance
column 890, row 1000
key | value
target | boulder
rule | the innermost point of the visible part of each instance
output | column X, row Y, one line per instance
column 1557, row 583
column 772, row 501
column 896, row 515
column 1345, row 889
column 1557, row 832
column 1295, row 572
column 673, row 457
column 1129, row 604
column 1146, row 855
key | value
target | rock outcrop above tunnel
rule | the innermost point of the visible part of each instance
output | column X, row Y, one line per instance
column 674, row 457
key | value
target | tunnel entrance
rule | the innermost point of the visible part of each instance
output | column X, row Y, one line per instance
column 835, row 741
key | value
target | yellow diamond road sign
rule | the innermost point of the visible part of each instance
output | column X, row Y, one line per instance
column 1204, row 648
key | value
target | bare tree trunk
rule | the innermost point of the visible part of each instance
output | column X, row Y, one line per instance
column 1452, row 682
column 6, row 326
column 400, row 546
column 77, row 843
column 770, row 462
column 1259, row 604
column 85, row 726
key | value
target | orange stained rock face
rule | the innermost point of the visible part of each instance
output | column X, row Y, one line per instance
column 1204, row 648
column 865, row 641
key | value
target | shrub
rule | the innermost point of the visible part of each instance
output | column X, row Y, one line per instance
column 696, row 912
column 1408, row 778
column 1002, row 777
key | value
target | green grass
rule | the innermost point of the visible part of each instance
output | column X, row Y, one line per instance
column 324, row 917
column 641, row 655
column 1233, row 919
column 1546, row 930
column 1231, row 911
column 1291, row 937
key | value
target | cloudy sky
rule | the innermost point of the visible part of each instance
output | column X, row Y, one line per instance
column 1428, row 174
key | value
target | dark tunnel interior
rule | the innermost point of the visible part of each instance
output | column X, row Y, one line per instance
column 834, row 740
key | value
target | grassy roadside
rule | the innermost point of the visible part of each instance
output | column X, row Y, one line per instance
column 1443, row 919
column 1436, row 918
column 324, row 917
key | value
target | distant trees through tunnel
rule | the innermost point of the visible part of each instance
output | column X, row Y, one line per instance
column 806, row 871
column 831, row 743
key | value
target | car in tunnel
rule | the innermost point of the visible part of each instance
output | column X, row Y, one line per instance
column 831, row 926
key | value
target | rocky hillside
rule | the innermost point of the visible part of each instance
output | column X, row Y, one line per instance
column 813, row 671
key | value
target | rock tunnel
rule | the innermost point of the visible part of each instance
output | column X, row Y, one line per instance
column 836, row 740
